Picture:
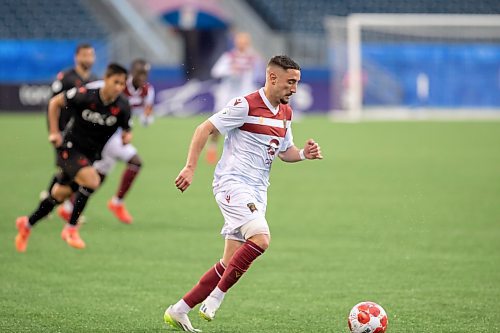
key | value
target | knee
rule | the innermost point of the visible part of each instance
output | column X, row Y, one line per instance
column 262, row 240
column 135, row 161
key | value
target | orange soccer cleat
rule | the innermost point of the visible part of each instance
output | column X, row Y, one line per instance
column 119, row 210
column 211, row 156
column 71, row 236
column 23, row 233
column 63, row 213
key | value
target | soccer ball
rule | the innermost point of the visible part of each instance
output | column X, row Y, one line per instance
column 367, row 317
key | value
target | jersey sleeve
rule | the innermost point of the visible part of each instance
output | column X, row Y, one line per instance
column 288, row 141
column 57, row 84
column 231, row 116
column 222, row 67
column 124, row 121
column 150, row 97
column 75, row 98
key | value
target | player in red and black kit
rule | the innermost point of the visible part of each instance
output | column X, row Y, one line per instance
column 77, row 76
column 98, row 113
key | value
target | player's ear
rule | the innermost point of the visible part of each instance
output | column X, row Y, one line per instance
column 273, row 78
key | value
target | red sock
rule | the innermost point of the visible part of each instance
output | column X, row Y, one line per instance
column 204, row 287
column 127, row 178
column 240, row 262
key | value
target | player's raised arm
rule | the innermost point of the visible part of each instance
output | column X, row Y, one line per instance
column 311, row 151
column 200, row 137
column 56, row 103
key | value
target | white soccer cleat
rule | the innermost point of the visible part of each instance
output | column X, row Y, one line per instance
column 208, row 308
column 178, row 320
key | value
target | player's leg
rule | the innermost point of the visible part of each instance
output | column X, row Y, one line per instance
column 116, row 204
column 176, row 314
column 25, row 223
column 256, row 233
column 88, row 180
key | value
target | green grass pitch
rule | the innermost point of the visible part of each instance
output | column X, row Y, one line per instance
column 406, row 214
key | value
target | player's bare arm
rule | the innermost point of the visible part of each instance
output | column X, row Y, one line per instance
column 55, row 106
column 198, row 141
column 311, row 151
column 148, row 110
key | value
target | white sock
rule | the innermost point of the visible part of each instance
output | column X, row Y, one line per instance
column 68, row 206
column 181, row 307
column 116, row 200
column 218, row 294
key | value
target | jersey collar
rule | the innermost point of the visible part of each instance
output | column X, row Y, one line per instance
column 274, row 110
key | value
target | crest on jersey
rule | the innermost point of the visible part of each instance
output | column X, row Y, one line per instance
column 252, row 207
column 114, row 110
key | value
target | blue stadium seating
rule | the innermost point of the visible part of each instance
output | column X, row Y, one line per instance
column 307, row 16
column 48, row 19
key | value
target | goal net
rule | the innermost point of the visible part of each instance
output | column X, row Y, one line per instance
column 414, row 65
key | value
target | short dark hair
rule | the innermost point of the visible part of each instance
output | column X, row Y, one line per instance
column 140, row 64
column 284, row 62
column 83, row 46
column 114, row 69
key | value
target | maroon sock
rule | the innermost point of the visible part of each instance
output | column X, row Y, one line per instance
column 127, row 179
column 240, row 262
column 72, row 198
column 204, row 287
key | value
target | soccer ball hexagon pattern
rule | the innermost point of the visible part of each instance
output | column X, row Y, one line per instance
column 367, row 317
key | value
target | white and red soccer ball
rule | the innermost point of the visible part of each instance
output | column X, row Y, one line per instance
column 367, row 317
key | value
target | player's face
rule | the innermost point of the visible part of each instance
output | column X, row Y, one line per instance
column 85, row 58
column 114, row 85
column 286, row 84
column 242, row 41
column 140, row 78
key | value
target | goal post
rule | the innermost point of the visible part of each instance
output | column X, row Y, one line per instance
column 395, row 64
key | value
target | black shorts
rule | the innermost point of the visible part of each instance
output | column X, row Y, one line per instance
column 70, row 161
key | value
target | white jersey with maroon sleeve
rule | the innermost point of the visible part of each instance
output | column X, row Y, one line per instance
column 255, row 133
column 140, row 97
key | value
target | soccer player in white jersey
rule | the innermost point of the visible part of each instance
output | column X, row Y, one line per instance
column 238, row 70
column 140, row 94
column 257, row 128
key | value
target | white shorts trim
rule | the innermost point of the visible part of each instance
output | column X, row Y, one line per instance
column 114, row 151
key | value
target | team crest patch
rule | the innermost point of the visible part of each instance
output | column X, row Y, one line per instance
column 252, row 207
column 115, row 110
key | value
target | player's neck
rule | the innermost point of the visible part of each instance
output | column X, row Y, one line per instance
column 105, row 98
column 83, row 73
column 274, row 101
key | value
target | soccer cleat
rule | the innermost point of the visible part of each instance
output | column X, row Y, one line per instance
column 211, row 156
column 120, row 212
column 22, row 234
column 178, row 320
column 208, row 308
column 71, row 236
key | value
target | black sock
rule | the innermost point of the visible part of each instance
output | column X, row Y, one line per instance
column 44, row 208
column 82, row 196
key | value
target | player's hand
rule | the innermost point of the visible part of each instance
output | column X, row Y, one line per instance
column 312, row 150
column 184, row 179
column 126, row 137
column 56, row 139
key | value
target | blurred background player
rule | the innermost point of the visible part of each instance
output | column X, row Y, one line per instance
column 77, row 76
column 238, row 70
column 97, row 115
column 141, row 96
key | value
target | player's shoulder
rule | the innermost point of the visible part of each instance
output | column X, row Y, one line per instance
column 238, row 103
column 122, row 102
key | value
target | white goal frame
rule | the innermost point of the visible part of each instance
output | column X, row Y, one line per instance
column 356, row 22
